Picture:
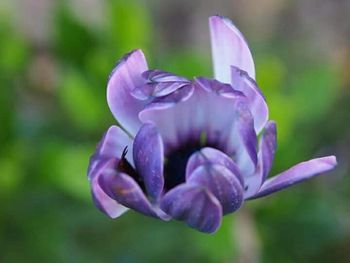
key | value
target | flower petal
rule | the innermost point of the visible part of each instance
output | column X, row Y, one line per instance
column 296, row 174
column 156, row 75
column 221, row 117
column 112, row 144
column 102, row 201
column 162, row 111
column 195, row 205
column 257, row 104
column 122, row 188
column 126, row 77
column 241, row 139
column 229, row 48
column 222, row 183
column 211, row 156
column 267, row 148
column 212, row 85
column 149, row 157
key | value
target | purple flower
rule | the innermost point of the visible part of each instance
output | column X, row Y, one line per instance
column 189, row 149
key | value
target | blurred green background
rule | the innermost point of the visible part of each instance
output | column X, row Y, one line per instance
column 55, row 58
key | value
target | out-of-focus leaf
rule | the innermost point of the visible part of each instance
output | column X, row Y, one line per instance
column 128, row 27
column 72, row 40
column 219, row 247
column 78, row 100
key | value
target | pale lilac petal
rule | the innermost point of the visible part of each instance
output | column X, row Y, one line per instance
column 126, row 77
column 267, row 148
column 256, row 101
column 122, row 188
column 211, row 156
column 102, row 201
column 296, row 174
column 149, row 157
column 229, row 48
column 195, row 205
column 222, row 183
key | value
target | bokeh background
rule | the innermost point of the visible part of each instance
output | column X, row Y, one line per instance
column 55, row 58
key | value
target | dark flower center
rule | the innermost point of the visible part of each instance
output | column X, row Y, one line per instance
column 176, row 162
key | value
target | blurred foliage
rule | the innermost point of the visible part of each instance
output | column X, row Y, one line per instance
column 47, row 134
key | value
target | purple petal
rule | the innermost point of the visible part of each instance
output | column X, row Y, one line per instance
column 195, row 205
column 267, row 148
column 126, row 77
column 162, row 76
column 296, row 174
column 221, row 118
column 122, row 188
column 179, row 95
column 149, row 157
column 222, row 183
column 163, row 112
column 113, row 143
column 229, row 48
column 211, row 156
column 257, row 104
column 241, row 140
column 212, row 85
column 102, row 201
column 150, row 90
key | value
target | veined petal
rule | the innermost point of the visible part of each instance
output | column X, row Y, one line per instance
column 267, row 148
column 102, row 201
column 195, row 205
column 296, row 174
column 256, row 101
column 122, row 188
column 149, row 157
column 222, row 183
column 229, row 48
column 126, row 77
column 211, row 156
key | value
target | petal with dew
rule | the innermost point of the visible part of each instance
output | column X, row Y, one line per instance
column 195, row 205
column 256, row 100
column 148, row 155
column 296, row 174
column 229, row 48
column 126, row 76
column 267, row 149
column 211, row 156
